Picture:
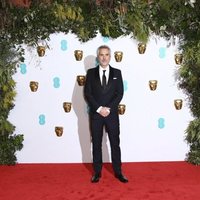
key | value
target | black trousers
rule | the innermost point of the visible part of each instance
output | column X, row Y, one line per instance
column 111, row 124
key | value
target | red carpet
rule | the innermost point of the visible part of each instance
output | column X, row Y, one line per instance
column 147, row 181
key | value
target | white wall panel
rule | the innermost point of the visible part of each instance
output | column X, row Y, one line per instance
column 142, row 137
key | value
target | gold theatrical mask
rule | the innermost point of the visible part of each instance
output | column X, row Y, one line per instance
column 121, row 109
column 153, row 84
column 178, row 103
column 67, row 106
column 34, row 86
column 59, row 131
column 178, row 58
column 141, row 48
column 41, row 51
column 78, row 54
column 118, row 56
column 81, row 80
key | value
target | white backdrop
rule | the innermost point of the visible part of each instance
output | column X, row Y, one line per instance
column 151, row 128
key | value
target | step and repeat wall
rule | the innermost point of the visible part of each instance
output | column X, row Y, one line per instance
column 53, row 116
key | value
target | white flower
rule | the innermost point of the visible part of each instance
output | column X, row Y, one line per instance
column 191, row 2
column 163, row 28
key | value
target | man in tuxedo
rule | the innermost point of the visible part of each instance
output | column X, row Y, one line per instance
column 103, row 92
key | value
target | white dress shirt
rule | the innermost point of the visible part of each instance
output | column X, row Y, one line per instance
column 106, row 73
column 107, row 76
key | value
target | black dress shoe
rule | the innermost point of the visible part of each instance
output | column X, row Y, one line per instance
column 121, row 178
column 95, row 178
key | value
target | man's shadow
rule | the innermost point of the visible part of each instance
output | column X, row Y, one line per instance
column 81, row 110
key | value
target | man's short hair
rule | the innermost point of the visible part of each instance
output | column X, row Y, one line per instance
column 103, row 47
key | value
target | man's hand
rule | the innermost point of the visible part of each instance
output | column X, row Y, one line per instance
column 105, row 111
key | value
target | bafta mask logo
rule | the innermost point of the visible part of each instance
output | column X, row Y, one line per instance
column 178, row 59
column 118, row 56
column 178, row 103
column 34, row 86
column 41, row 51
column 121, row 109
column 59, row 131
column 81, row 80
column 153, row 84
column 78, row 54
column 67, row 106
column 141, row 48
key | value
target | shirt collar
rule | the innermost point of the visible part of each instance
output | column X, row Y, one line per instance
column 105, row 68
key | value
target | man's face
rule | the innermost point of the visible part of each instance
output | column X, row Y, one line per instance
column 104, row 57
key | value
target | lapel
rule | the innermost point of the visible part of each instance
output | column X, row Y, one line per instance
column 111, row 74
column 97, row 76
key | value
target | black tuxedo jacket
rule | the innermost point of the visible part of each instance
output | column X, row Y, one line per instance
column 96, row 96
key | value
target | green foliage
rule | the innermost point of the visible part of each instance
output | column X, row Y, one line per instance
column 9, row 143
column 135, row 18
column 189, row 82
column 173, row 18
column 84, row 18
column 193, row 139
column 189, row 74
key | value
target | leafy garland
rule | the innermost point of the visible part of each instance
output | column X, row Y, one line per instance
column 9, row 142
column 36, row 21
